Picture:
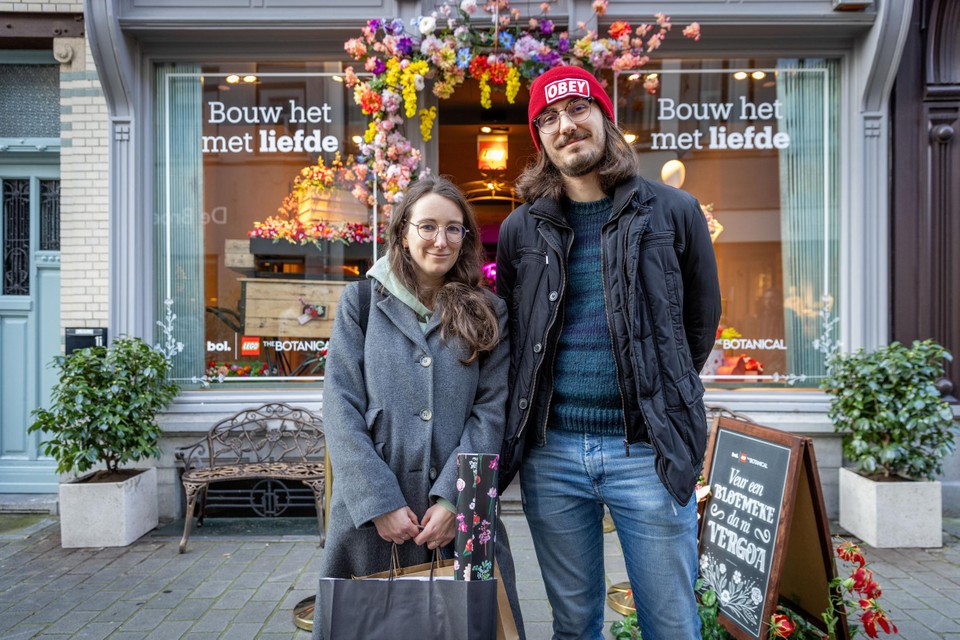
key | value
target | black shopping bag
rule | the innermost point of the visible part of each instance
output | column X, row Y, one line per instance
column 406, row 607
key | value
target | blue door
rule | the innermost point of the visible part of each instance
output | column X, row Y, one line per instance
column 29, row 317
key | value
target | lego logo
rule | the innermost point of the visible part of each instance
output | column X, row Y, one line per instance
column 249, row 346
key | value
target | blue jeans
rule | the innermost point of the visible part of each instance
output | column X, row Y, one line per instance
column 564, row 485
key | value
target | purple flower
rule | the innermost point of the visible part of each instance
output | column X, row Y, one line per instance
column 563, row 45
column 396, row 27
column 379, row 67
column 374, row 24
column 405, row 45
column 546, row 27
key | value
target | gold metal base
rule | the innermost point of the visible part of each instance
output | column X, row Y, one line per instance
column 620, row 598
column 303, row 613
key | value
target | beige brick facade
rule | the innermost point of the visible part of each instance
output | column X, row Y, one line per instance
column 84, row 189
column 42, row 7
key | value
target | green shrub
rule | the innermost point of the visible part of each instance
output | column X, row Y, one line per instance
column 887, row 406
column 104, row 406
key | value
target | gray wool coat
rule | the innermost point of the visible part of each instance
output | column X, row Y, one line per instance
column 398, row 407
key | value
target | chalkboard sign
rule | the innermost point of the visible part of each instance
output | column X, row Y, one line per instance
column 760, row 480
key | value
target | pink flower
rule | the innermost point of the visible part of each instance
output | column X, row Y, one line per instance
column 692, row 31
column 600, row 7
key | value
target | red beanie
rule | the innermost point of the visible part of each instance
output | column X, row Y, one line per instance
column 561, row 83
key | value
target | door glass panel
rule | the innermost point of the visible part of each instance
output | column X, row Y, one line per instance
column 50, row 215
column 16, row 237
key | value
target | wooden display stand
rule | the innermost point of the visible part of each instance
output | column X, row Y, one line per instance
column 764, row 535
column 271, row 306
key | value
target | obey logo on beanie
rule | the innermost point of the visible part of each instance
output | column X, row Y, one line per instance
column 561, row 83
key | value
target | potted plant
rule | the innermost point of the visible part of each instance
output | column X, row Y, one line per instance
column 103, row 414
column 896, row 431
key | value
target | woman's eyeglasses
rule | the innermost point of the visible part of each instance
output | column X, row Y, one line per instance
column 455, row 233
column 577, row 110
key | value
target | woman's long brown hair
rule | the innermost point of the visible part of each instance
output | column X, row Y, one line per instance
column 465, row 310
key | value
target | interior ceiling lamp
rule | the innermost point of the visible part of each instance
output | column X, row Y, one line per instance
column 492, row 152
column 740, row 75
column 673, row 173
column 629, row 137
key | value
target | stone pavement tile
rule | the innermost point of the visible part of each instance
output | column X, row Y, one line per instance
column 117, row 612
column 202, row 635
column 190, row 609
column 167, row 599
column 47, row 635
column 74, row 621
column 97, row 599
column 243, row 631
column 910, row 629
column 538, row 630
column 250, row 579
column 282, row 636
column 272, row 591
column 127, row 635
column 214, row 620
column 234, row 599
column 23, row 632
column 531, row 590
column 95, row 631
column 210, row 589
column 255, row 612
column 9, row 619
column 535, row 611
column 170, row 630
column 144, row 620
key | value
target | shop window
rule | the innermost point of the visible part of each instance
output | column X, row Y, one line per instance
column 757, row 142
column 261, row 215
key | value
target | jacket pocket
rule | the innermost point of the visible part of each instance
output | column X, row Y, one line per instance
column 695, row 431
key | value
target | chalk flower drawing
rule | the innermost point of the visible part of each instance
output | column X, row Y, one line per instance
column 739, row 596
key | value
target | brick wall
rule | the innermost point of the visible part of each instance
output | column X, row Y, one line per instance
column 84, row 189
column 43, row 6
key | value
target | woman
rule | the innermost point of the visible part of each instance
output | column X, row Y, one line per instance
column 428, row 380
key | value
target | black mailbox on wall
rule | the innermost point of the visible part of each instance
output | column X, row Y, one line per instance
column 83, row 337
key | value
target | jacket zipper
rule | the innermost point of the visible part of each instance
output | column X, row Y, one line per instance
column 553, row 319
column 613, row 347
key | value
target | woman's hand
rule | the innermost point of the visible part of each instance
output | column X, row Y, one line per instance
column 397, row 526
column 439, row 527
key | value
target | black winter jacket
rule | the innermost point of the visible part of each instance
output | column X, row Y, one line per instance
column 662, row 304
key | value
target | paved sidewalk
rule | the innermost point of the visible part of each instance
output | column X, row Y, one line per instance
column 246, row 587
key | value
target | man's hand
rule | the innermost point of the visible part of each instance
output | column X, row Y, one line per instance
column 439, row 527
column 397, row 526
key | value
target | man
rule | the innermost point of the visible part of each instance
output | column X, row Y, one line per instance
column 611, row 283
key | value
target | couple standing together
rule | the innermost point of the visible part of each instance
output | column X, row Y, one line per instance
column 582, row 371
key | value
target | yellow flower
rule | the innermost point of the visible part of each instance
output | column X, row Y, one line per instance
column 427, row 116
column 485, row 101
column 513, row 84
column 371, row 132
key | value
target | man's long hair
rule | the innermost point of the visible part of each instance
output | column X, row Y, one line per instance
column 465, row 310
column 541, row 178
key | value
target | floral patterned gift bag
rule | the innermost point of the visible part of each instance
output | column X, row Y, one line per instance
column 477, row 512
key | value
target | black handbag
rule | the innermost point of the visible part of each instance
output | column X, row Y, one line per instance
column 428, row 607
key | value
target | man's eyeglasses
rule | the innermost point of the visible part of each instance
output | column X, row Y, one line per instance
column 577, row 110
column 455, row 233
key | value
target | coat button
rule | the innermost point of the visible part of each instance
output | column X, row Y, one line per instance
column 523, row 403
column 433, row 473
column 537, row 348
column 426, row 414
column 426, row 361
column 553, row 296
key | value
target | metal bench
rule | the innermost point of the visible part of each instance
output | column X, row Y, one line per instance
column 274, row 441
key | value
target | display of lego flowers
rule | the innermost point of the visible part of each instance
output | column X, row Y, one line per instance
column 351, row 176
column 856, row 595
column 297, row 232
column 490, row 42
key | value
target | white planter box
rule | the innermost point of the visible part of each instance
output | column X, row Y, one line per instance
column 108, row 514
column 891, row 514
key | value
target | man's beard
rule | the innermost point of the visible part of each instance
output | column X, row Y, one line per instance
column 580, row 164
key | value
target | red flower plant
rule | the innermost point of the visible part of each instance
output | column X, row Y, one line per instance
column 855, row 596
column 781, row 625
